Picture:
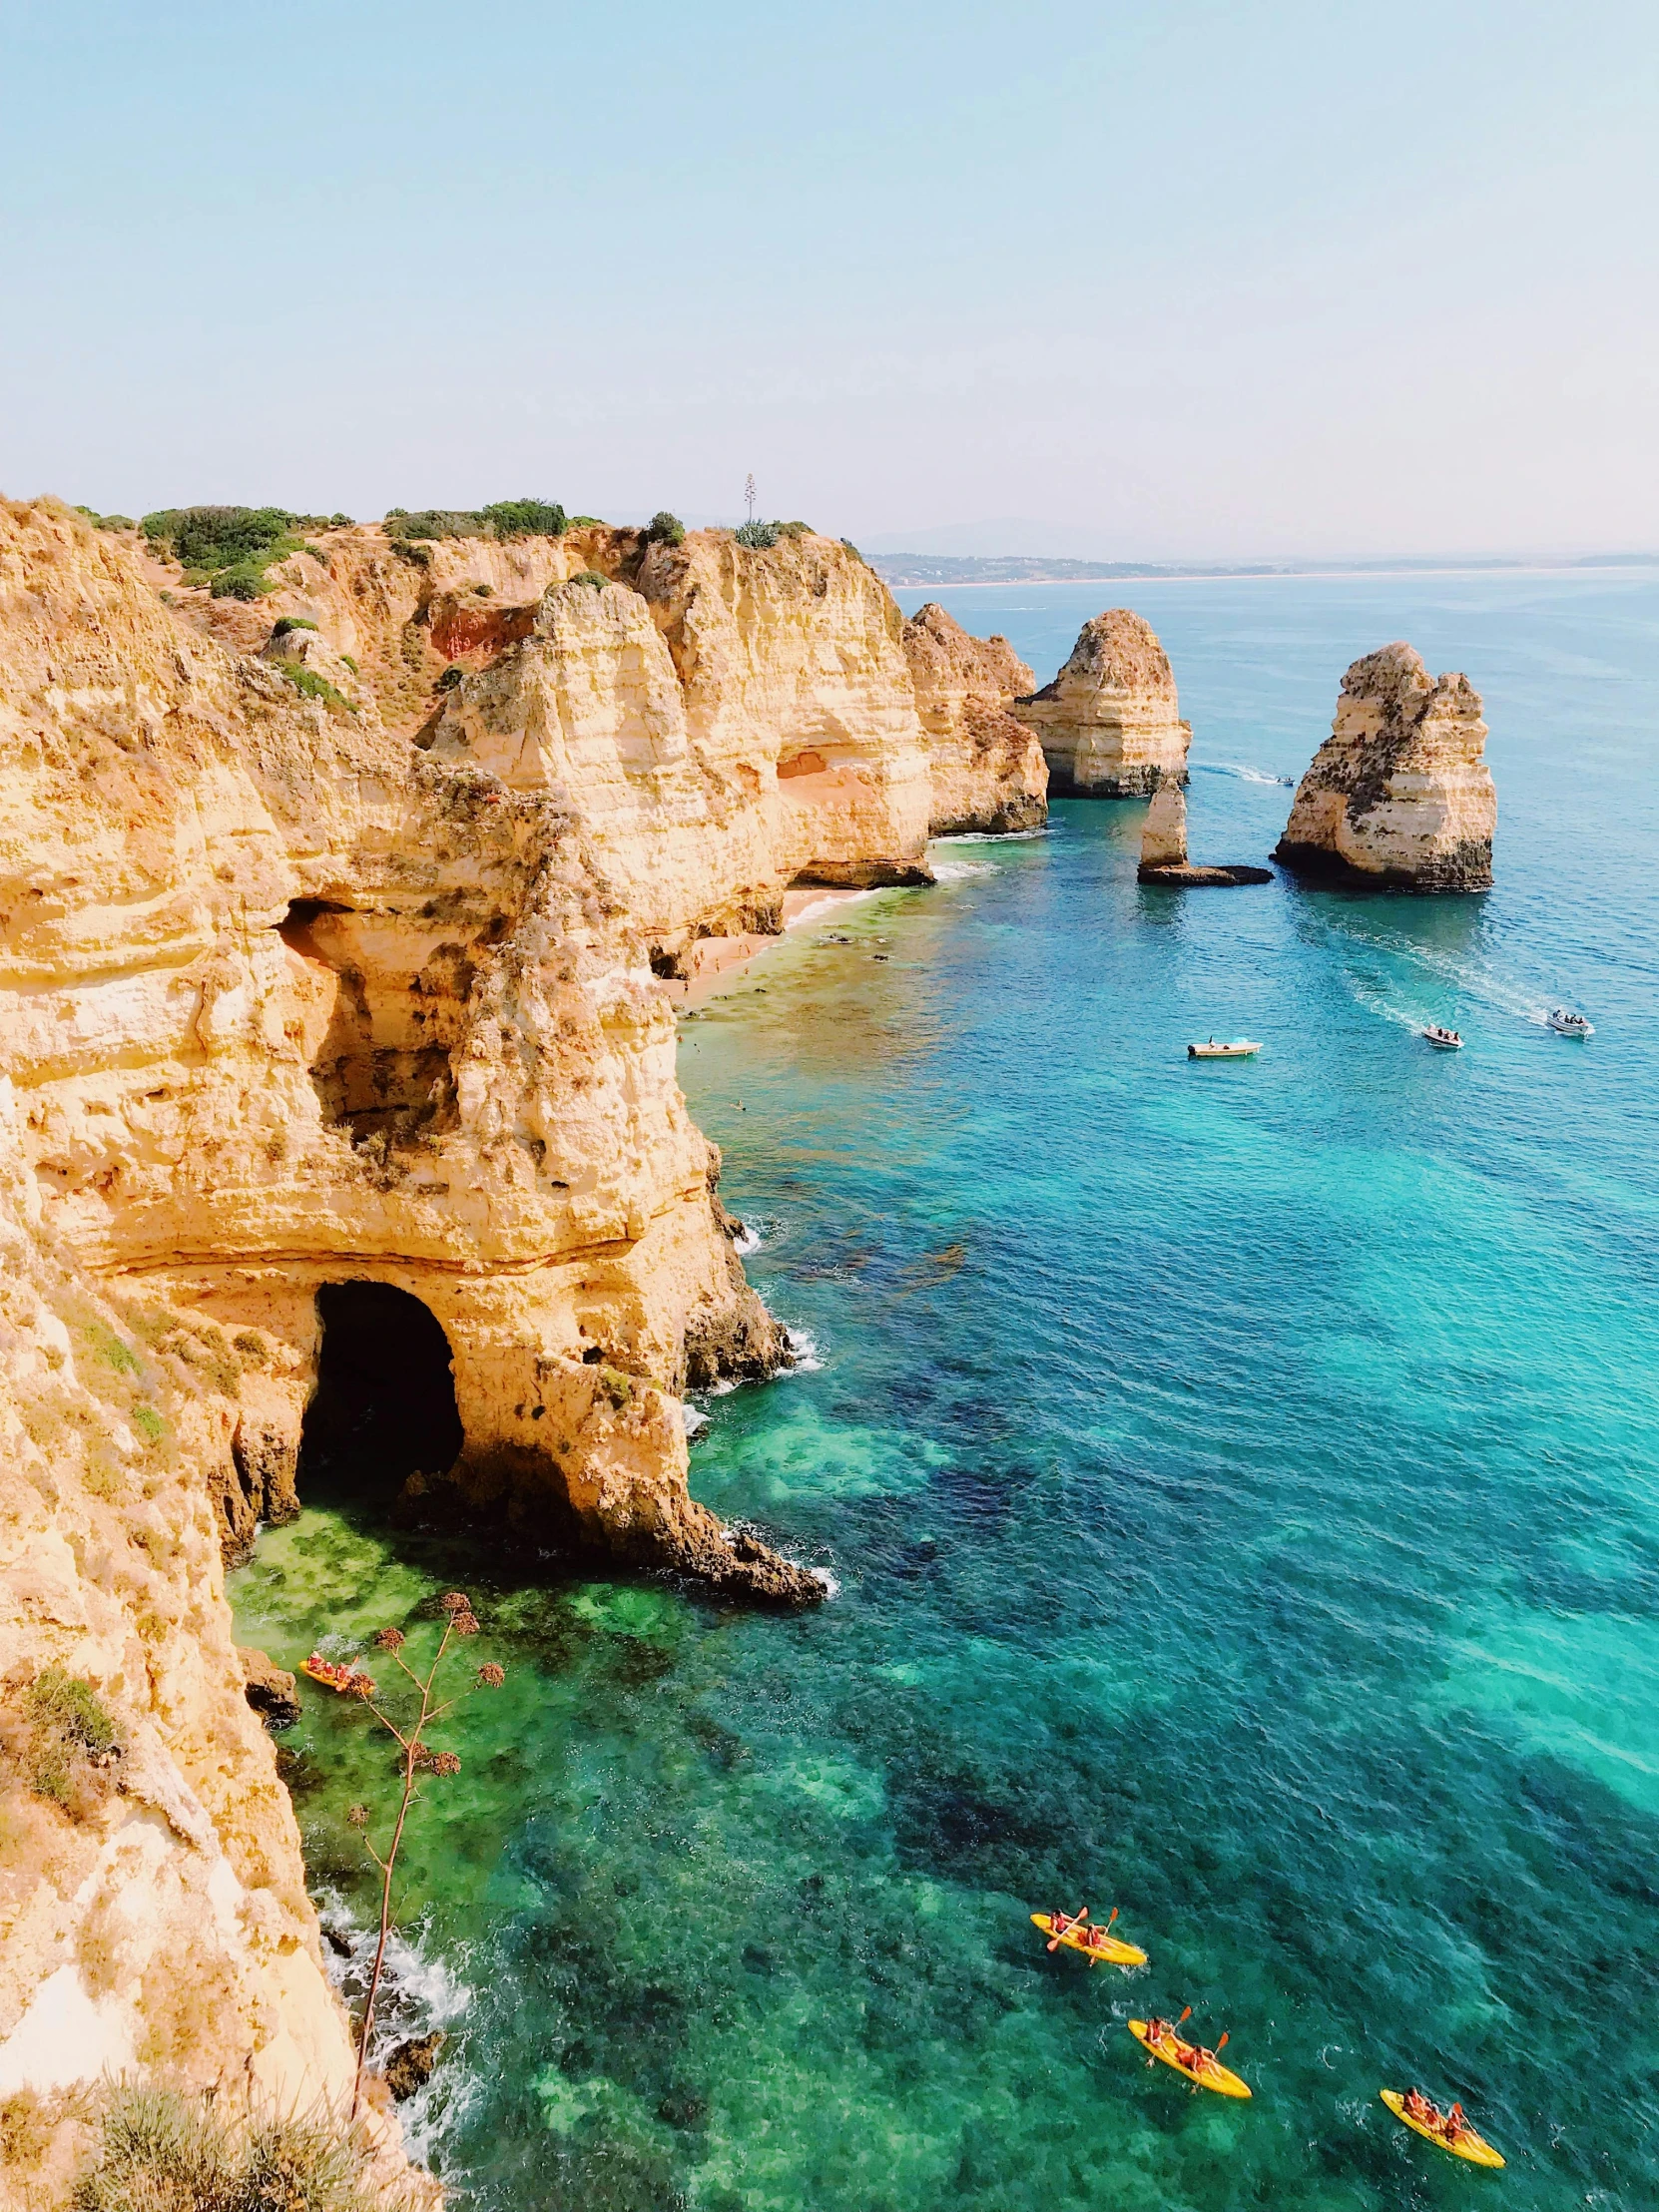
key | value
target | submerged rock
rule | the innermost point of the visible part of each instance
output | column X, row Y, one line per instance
column 411, row 2065
column 1110, row 723
column 1399, row 795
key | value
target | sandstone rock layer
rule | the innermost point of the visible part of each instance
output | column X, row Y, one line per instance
column 1399, row 795
column 987, row 770
column 1110, row 724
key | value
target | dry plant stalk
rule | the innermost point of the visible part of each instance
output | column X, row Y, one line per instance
column 418, row 1757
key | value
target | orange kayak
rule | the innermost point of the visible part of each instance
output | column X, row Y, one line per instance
column 1092, row 1942
column 1209, row 2074
column 1464, row 2144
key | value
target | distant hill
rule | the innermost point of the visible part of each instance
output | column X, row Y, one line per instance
column 913, row 571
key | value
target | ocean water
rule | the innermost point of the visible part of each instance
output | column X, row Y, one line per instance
column 1241, row 1489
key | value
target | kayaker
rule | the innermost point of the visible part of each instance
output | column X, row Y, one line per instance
column 1455, row 2124
column 1156, row 2030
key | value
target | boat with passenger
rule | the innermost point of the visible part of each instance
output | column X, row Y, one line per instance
column 348, row 1681
column 1444, row 1040
column 1236, row 1048
column 1566, row 1023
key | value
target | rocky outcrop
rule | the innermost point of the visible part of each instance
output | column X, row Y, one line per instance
column 1164, row 850
column 1399, row 795
column 1164, row 837
column 306, row 1027
column 1109, row 724
column 271, row 1690
column 987, row 770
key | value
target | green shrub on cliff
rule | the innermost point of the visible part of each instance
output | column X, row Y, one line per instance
column 665, row 529
column 311, row 684
column 526, row 518
column 230, row 548
column 507, row 519
column 758, row 536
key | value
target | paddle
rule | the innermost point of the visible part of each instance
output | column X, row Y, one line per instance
column 1097, row 1931
column 1076, row 1920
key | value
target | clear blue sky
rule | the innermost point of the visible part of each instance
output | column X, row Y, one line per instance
column 1173, row 279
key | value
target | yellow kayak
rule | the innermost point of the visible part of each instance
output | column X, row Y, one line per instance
column 1474, row 2148
column 1105, row 1947
column 1209, row 2074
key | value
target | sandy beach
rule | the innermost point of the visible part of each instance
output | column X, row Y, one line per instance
column 714, row 964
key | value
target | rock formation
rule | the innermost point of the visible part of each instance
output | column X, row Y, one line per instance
column 1109, row 724
column 1399, row 795
column 1164, row 837
column 987, row 770
column 311, row 1034
column 1164, row 850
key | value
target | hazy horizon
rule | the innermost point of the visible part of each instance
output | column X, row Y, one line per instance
column 1191, row 283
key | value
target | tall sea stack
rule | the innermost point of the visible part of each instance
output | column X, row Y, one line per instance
column 1399, row 795
column 1110, row 723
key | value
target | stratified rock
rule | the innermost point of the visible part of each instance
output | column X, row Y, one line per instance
column 1164, row 850
column 411, row 2065
column 1110, row 723
column 271, row 1690
column 1399, row 795
column 988, row 770
column 1164, row 837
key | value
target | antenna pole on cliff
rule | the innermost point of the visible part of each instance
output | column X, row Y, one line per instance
column 749, row 495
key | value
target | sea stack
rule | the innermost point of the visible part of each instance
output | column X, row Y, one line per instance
column 988, row 770
column 1164, row 850
column 1110, row 723
column 1399, row 795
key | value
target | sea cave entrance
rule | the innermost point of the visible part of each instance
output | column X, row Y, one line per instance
column 384, row 1406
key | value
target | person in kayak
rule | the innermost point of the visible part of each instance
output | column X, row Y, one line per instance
column 1455, row 2124
column 1156, row 2030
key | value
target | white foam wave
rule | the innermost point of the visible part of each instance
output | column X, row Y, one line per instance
column 749, row 1242
column 954, row 871
column 692, row 1420
column 804, row 1346
column 1000, row 837
column 832, row 1586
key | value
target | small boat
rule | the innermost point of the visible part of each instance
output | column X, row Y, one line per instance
column 1566, row 1023
column 1464, row 2144
column 348, row 1681
column 1238, row 1048
column 1204, row 2069
column 1444, row 1040
column 1093, row 1942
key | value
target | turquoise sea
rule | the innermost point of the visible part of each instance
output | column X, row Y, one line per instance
column 1240, row 1484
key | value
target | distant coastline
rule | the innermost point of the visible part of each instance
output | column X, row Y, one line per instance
column 916, row 571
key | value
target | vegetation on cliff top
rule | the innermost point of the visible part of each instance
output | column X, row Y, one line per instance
column 230, row 548
column 507, row 519
column 156, row 2150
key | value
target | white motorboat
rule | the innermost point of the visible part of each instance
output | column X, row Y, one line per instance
column 1238, row 1048
column 1444, row 1040
column 1566, row 1023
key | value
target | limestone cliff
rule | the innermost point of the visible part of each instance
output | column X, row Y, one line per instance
column 153, row 1908
column 294, row 1010
column 1110, row 723
column 1400, row 795
column 987, row 770
column 1164, row 835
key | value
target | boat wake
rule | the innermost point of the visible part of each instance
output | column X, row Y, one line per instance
column 999, row 837
column 1244, row 775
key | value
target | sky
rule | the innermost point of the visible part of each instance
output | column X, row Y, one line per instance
column 1164, row 280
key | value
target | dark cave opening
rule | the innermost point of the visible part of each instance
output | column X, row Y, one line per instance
column 384, row 1406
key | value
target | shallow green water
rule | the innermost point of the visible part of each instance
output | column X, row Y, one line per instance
column 1241, row 1484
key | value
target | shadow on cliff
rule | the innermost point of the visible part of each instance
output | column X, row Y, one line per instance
column 384, row 1406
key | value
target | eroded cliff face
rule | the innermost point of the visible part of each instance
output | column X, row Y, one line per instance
column 1400, row 795
column 153, row 1907
column 987, row 770
column 327, row 958
column 1110, row 723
